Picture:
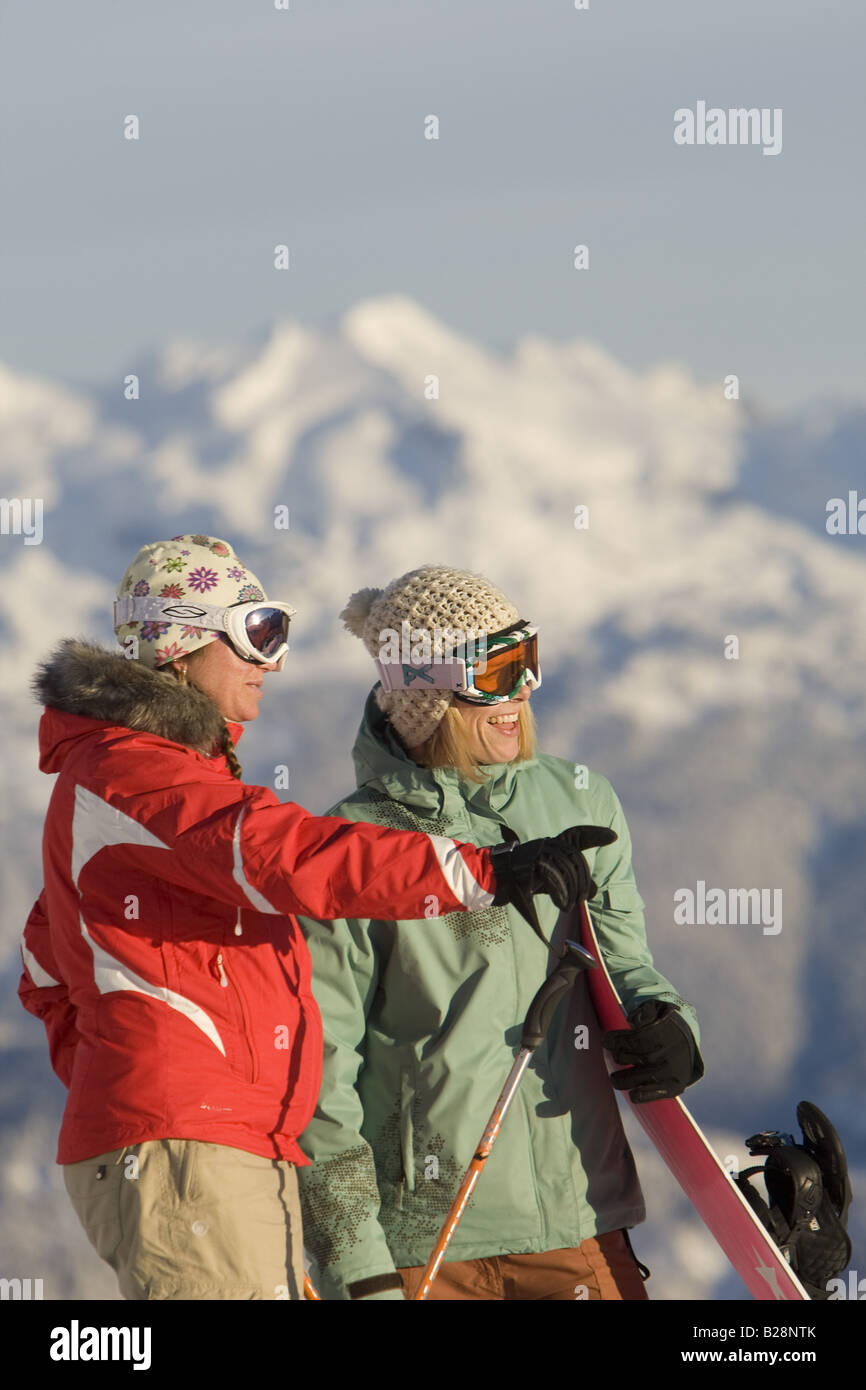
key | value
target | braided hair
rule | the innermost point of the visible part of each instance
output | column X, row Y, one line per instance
column 227, row 747
column 231, row 756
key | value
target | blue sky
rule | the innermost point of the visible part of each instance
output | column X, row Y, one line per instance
column 306, row 127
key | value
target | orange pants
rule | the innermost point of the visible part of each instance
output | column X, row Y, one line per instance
column 602, row 1267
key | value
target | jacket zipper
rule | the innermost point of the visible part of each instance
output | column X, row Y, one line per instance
column 224, row 982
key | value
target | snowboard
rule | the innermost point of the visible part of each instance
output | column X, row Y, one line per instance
column 696, row 1167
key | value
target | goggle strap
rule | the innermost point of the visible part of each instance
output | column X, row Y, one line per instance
column 155, row 610
column 434, row 675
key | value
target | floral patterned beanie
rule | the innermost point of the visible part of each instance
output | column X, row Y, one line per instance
column 186, row 567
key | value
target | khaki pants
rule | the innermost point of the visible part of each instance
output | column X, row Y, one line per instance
column 181, row 1219
column 602, row 1267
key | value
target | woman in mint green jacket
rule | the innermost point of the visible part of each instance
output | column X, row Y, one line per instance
column 421, row 1026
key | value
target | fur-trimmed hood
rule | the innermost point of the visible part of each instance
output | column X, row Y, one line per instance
column 82, row 678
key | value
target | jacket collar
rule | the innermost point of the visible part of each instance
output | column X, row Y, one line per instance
column 89, row 681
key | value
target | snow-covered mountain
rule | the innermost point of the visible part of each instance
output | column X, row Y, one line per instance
column 394, row 441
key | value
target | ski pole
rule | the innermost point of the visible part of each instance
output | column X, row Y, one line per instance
column 575, row 958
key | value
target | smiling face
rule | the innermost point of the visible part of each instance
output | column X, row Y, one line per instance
column 234, row 685
column 491, row 731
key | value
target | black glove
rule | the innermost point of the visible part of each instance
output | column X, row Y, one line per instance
column 554, row 865
column 659, row 1049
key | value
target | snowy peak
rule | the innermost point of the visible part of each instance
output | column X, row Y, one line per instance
column 609, row 499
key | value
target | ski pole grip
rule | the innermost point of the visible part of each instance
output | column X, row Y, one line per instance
column 558, row 983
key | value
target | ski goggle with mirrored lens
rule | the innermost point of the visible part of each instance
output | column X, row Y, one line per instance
column 485, row 674
column 257, row 632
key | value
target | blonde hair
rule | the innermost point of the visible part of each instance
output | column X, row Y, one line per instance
column 448, row 746
column 226, row 745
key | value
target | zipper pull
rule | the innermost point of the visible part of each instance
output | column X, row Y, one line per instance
column 239, row 931
column 223, row 977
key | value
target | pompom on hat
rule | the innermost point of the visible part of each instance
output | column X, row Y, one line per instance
column 434, row 598
column 186, row 567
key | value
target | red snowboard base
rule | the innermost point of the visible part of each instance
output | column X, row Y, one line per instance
column 714, row 1195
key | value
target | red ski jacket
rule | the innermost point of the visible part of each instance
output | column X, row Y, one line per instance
column 163, row 955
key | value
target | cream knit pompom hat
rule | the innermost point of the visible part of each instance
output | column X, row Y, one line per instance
column 431, row 599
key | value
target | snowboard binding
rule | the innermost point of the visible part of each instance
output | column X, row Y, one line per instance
column 809, row 1192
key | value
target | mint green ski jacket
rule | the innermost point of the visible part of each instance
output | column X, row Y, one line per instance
column 422, row 1020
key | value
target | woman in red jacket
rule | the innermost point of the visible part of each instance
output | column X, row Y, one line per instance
column 163, row 954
